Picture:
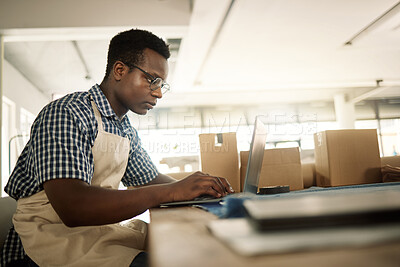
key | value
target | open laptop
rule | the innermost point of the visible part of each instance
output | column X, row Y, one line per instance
column 254, row 165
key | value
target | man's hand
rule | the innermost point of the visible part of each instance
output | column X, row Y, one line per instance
column 80, row 204
column 198, row 184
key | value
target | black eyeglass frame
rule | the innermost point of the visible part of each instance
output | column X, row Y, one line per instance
column 154, row 80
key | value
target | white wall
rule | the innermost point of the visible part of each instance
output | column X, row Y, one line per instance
column 19, row 94
column 22, row 92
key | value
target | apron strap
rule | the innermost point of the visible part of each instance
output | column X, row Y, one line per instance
column 97, row 114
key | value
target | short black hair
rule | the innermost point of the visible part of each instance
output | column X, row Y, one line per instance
column 128, row 47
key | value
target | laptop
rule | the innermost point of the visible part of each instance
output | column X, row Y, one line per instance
column 325, row 210
column 254, row 166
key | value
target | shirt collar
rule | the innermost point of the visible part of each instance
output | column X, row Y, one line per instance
column 101, row 102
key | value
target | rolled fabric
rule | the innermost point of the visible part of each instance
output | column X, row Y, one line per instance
column 392, row 161
column 390, row 174
column 309, row 176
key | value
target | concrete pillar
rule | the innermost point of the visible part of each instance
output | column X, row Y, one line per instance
column 345, row 112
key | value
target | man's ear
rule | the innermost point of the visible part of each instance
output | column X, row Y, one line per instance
column 119, row 70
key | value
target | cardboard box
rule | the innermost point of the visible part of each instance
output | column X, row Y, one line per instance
column 281, row 166
column 347, row 157
column 219, row 157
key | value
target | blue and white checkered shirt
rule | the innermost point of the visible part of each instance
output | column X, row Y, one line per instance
column 60, row 147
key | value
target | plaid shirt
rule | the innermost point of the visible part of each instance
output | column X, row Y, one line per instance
column 60, row 147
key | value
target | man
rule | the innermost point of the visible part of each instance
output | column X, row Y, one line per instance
column 81, row 147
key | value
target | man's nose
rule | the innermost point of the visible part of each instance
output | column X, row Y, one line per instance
column 157, row 93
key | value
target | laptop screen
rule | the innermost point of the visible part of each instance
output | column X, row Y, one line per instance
column 256, row 157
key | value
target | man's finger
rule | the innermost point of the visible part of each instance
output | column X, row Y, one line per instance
column 226, row 185
column 211, row 191
column 217, row 185
column 226, row 190
column 221, row 188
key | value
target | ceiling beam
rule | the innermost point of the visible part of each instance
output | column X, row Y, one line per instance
column 92, row 13
column 85, row 33
column 88, row 76
column 371, row 93
column 204, row 24
column 213, row 42
column 376, row 22
column 217, row 97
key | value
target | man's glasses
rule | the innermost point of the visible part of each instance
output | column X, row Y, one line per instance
column 155, row 82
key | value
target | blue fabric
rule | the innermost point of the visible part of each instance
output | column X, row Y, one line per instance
column 232, row 207
column 60, row 146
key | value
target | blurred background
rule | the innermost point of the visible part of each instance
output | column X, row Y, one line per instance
column 303, row 65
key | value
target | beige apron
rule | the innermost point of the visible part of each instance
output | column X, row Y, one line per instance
column 48, row 242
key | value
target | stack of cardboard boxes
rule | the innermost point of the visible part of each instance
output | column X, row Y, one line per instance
column 342, row 157
column 219, row 157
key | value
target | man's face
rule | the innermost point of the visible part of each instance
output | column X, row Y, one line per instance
column 133, row 89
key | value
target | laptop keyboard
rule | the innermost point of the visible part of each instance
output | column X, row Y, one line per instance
column 204, row 197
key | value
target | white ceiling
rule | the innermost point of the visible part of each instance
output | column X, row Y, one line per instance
column 243, row 52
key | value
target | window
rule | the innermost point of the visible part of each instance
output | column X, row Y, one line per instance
column 26, row 121
column 8, row 131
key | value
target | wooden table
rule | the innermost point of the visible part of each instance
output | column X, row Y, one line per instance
column 178, row 237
